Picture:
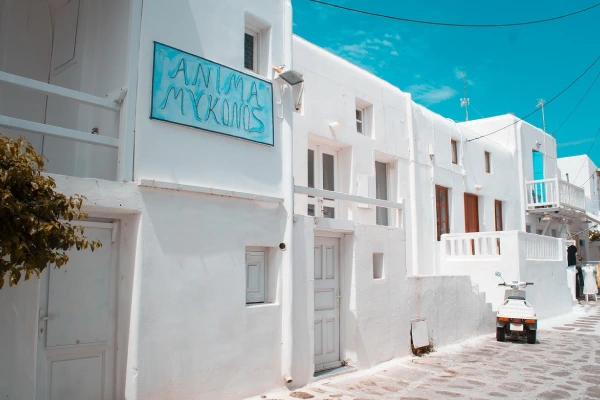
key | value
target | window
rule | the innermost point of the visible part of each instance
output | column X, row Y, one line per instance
column 322, row 172
column 488, row 162
column 255, row 277
column 360, row 120
column 528, row 228
column 441, row 207
column 498, row 215
column 251, row 50
column 454, row 151
column 381, row 192
column 377, row 265
column 363, row 114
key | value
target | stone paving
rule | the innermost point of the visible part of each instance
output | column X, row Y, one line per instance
column 564, row 364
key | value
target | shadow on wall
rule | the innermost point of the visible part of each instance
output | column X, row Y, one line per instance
column 452, row 306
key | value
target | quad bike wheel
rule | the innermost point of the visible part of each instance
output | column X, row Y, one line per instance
column 531, row 336
column 500, row 334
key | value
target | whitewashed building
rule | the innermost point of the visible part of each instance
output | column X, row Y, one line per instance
column 256, row 230
column 581, row 171
column 164, row 309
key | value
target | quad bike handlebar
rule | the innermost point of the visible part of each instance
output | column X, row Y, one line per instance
column 516, row 284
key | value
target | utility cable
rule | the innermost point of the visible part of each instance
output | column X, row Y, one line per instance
column 416, row 21
column 580, row 101
column 537, row 109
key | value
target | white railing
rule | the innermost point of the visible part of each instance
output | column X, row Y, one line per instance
column 322, row 199
column 472, row 244
column 510, row 245
column 553, row 193
column 51, row 130
column 537, row 247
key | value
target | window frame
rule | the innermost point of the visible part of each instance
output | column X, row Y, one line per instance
column 360, row 121
column 488, row 162
column 498, row 219
column 255, row 50
column 439, row 209
column 387, row 192
column 321, row 202
column 454, row 151
column 255, row 252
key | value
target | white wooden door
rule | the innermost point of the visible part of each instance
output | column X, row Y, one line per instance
column 327, row 304
column 77, row 324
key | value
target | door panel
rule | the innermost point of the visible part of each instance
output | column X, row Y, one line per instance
column 326, row 298
column 471, row 213
column 76, row 333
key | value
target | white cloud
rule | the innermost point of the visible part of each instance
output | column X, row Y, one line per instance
column 429, row 94
column 394, row 53
column 574, row 143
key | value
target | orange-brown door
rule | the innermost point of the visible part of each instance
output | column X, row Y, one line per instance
column 471, row 213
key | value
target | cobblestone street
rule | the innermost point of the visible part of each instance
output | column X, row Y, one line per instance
column 564, row 364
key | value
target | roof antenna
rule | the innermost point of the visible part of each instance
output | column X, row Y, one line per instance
column 541, row 104
column 464, row 102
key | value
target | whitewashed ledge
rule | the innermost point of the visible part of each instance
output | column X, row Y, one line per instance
column 151, row 183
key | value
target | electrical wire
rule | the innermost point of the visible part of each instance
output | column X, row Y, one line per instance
column 416, row 21
column 580, row 101
column 537, row 109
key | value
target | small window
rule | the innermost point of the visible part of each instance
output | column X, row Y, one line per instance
column 498, row 215
column 454, row 151
column 377, row 265
column 441, row 206
column 360, row 113
column 488, row 162
column 256, row 274
column 364, row 117
column 251, row 50
column 528, row 228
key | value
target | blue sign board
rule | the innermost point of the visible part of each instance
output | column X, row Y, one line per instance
column 192, row 91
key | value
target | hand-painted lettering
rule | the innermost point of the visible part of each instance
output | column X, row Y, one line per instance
column 238, row 105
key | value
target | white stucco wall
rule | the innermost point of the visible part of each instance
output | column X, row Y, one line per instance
column 453, row 308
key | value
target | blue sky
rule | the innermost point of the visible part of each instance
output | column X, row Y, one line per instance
column 508, row 69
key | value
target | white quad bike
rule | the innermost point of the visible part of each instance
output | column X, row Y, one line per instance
column 516, row 317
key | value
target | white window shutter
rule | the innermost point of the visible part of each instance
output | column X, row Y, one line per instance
column 255, row 277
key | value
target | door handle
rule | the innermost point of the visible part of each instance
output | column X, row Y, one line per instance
column 49, row 317
column 337, row 300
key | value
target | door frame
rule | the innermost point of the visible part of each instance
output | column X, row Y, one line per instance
column 343, row 308
column 466, row 196
column 42, row 361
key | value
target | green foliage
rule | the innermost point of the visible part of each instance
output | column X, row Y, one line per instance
column 594, row 236
column 35, row 228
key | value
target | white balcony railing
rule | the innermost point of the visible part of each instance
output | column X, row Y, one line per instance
column 510, row 245
column 325, row 203
column 112, row 104
column 554, row 193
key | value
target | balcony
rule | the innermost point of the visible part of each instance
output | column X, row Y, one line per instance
column 333, row 206
column 554, row 195
column 518, row 256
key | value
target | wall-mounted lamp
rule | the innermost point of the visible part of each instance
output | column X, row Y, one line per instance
column 478, row 187
column 334, row 126
column 291, row 77
column 538, row 144
column 547, row 218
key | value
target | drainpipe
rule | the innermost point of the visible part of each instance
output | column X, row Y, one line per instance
column 414, row 224
column 287, row 151
column 522, row 193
